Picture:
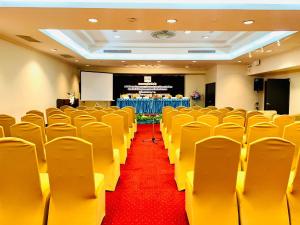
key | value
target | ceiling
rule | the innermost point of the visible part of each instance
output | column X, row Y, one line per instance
column 221, row 25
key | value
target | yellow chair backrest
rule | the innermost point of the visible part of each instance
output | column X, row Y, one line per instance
column 60, row 130
column 69, row 111
column 165, row 111
column 230, row 130
column 37, row 120
column 82, row 107
column 216, row 164
column 1, row 132
column 205, row 110
column 131, row 116
column 79, row 121
column 100, row 135
column 98, row 114
column 236, row 113
column 124, row 114
column 53, row 112
column 190, row 134
column 224, row 111
column 98, row 107
column 212, row 107
column 65, row 107
column 250, row 114
column 196, row 107
column 117, row 125
column 257, row 119
column 218, row 114
column 70, row 168
column 292, row 134
column 185, row 110
column 132, row 110
column 234, row 119
column 196, row 113
column 114, row 107
column 169, row 118
column 77, row 113
column 59, row 118
column 36, row 112
column 32, row 133
column 268, row 168
column 6, row 122
column 211, row 120
column 180, row 107
column 229, row 108
column 177, row 122
column 282, row 121
column 262, row 130
column 48, row 110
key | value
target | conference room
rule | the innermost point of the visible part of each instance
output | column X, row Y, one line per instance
column 137, row 112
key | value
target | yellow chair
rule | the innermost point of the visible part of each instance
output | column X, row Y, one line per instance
column 168, row 128
column 292, row 134
column 133, row 116
column 256, row 119
column 262, row 187
column 258, row 131
column 48, row 110
column 180, row 107
column 236, row 113
column 127, row 133
column 211, row 120
column 185, row 110
column 6, row 122
column 229, row 108
column 77, row 193
column 114, row 107
column 177, row 122
column 230, row 130
column 79, row 121
column 196, row 113
column 98, row 107
column 205, row 110
column 69, row 111
column 212, row 107
column 77, row 113
column 59, row 118
column 218, row 114
column 90, row 110
column 32, row 133
column 60, row 130
column 37, row 120
column 36, row 112
column 224, row 111
column 98, row 114
column 239, row 120
column 57, row 111
column 196, row 107
column 117, row 125
column 82, row 107
column 282, row 121
column 165, row 110
column 1, row 132
column 24, row 193
column 65, row 107
column 106, row 159
column 210, row 187
column 184, row 158
column 131, row 120
column 250, row 114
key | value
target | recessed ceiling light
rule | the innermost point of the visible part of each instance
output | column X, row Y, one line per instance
column 171, row 21
column 268, row 51
column 250, row 55
column 139, row 31
column 87, row 65
column 187, row 67
column 248, row 22
column 76, row 60
column 239, row 61
column 117, row 36
column 194, row 61
column 158, row 61
column 187, row 32
column 278, row 43
column 123, row 61
column 205, row 37
column 93, row 20
column 54, row 50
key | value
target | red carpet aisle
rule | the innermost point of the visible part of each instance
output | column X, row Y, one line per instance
column 146, row 193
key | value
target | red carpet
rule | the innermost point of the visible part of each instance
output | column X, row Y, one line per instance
column 146, row 192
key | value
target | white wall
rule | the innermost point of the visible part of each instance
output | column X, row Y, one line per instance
column 194, row 83
column 32, row 80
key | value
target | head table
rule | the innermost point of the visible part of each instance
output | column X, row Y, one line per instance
column 152, row 106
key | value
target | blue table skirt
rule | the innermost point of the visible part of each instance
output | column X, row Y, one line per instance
column 152, row 106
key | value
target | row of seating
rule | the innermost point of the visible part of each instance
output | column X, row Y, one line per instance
column 81, row 157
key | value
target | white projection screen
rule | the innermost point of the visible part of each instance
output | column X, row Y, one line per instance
column 96, row 86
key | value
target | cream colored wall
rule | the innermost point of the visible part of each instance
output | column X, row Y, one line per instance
column 194, row 83
column 32, row 80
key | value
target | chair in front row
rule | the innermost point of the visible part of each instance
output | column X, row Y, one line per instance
column 32, row 133
column 6, row 122
column 1, row 132
column 262, row 186
column 77, row 193
column 184, row 158
column 117, row 125
column 24, row 192
column 210, row 187
column 282, row 121
column 60, row 130
column 292, row 134
column 106, row 159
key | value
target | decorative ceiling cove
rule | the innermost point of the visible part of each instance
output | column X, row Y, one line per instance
column 164, row 44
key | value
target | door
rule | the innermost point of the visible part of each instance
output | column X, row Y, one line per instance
column 277, row 95
column 210, row 94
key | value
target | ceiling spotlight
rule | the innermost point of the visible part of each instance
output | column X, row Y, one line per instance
column 139, row 31
column 187, row 67
column 76, row 60
column 54, row 50
column 187, row 32
column 123, row 61
column 278, row 43
column 248, row 22
column 93, row 20
column 205, row 37
column 87, row 65
column 262, row 50
column 239, row 61
column 158, row 61
column 250, row 55
column 117, row 36
column 194, row 61
column 268, row 51
column 171, row 21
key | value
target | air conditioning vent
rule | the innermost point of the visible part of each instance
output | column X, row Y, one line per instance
column 202, row 51
column 28, row 38
column 117, row 51
column 67, row 56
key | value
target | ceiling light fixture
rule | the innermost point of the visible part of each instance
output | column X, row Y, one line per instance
column 93, row 20
column 158, row 61
column 87, row 65
column 171, row 21
column 205, row 37
column 262, row 50
column 194, row 61
column 248, row 22
column 54, row 50
column 187, row 67
column 250, row 55
column 278, row 43
column 187, row 32
column 76, row 60
column 123, row 61
column 117, row 36
column 239, row 61
column 268, row 51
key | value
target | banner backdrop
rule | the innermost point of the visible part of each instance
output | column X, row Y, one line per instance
column 147, row 84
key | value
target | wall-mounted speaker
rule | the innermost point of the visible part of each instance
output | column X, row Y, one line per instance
column 258, row 84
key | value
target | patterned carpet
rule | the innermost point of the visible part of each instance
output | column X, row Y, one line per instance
column 146, row 192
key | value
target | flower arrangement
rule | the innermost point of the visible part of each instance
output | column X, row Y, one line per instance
column 195, row 95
